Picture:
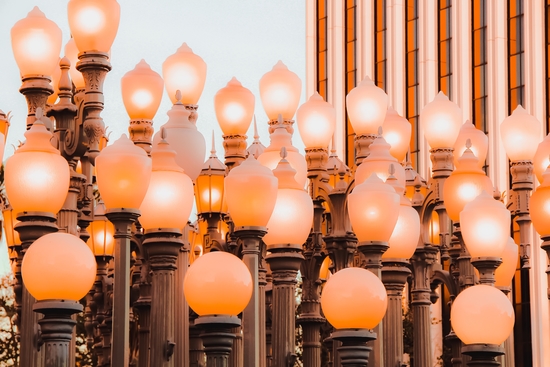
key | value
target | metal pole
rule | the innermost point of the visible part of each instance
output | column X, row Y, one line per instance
column 122, row 219
column 56, row 329
column 251, row 238
column 284, row 263
column 217, row 338
column 163, row 247
column 482, row 355
column 354, row 351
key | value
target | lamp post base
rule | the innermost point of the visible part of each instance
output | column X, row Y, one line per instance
column 354, row 351
column 483, row 355
column 56, row 329
column 217, row 338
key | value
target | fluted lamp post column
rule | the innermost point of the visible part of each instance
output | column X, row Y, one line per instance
column 482, row 317
column 251, row 193
column 164, row 212
column 395, row 271
column 373, row 208
column 354, row 301
column 37, row 182
column 123, row 174
column 234, row 107
column 58, row 270
column 218, row 286
column 36, row 44
column 288, row 228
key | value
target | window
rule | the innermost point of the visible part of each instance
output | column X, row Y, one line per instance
column 479, row 64
column 380, row 43
column 515, row 54
column 548, row 66
column 445, row 72
column 350, row 71
column 411, row 76
column 322, row 42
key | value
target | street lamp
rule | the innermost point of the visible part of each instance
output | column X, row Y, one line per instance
column 482, row 317
column 58, row 270
column 396, row 130
column 354, row 302
column 218, row 286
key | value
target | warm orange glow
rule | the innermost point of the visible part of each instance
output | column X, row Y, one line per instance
column 373, row 208
column 541, row 161
column 234, row 106
column 218, row 283
column 37, row 176
column 406, row 233
column 520, row 133
column 9, row 222
column 397, row 132
column 251, row 193
column 485, row 224
column 441, row 120
column 71, row 52
column 94, row 23
column 292, row 217
column 379, row 162
column 434, row 229
column 58, row 266
column 280, row 91
column 123, row 174
column 354, row 298
column 324, row 273
column 478, row 140
column 169, row 199
column 366, row 105
column 316, row 122
column 464, row 185
column 36, row 44
column 506, row 271
column 272, row 154
column 102, row 240
column 186, row 72
column 209, row 186
column 482, row 314
column 185, row 139
column 540, row 206
column 141, row 92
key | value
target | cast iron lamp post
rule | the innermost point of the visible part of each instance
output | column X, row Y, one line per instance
column 218, row 286
column 482, row 317
column 58, row 270
column 288, row 228
column 354, row 302
column 123, row 174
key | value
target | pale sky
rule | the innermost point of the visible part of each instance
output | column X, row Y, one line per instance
column 241, row 38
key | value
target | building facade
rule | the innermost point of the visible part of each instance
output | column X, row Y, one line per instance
column 487, row 56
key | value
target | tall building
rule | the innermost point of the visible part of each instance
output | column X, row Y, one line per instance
column 488, row 56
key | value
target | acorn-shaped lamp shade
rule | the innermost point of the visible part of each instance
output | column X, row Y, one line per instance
column 540, row 206
column 36, row 44
column 123, row 174
column 94, row 24
column 379, row 162
column 397, row 133
column 541, row 160
column 186, row 72
column 37, row 176
column 366, row 105
column 280, row 91
column 441, row 120
column 505, row 272
column 169, row 199
column 485, row 224
column 520, row 133
column 141, row 92
column 373, row 208
column 58, row 266
column 218, row 283
column 71, row 52
column 316, row 122
column 251, row 193
column 482, row 314
column 354, row 298
column 102, row 232
column 478, row 141
column 234, row 107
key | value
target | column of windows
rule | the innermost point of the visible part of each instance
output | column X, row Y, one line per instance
column 445, row 72
column 411, row 75
column 350, row 70
column 322, row 48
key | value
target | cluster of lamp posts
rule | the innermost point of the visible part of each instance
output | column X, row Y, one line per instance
column 271, row 214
